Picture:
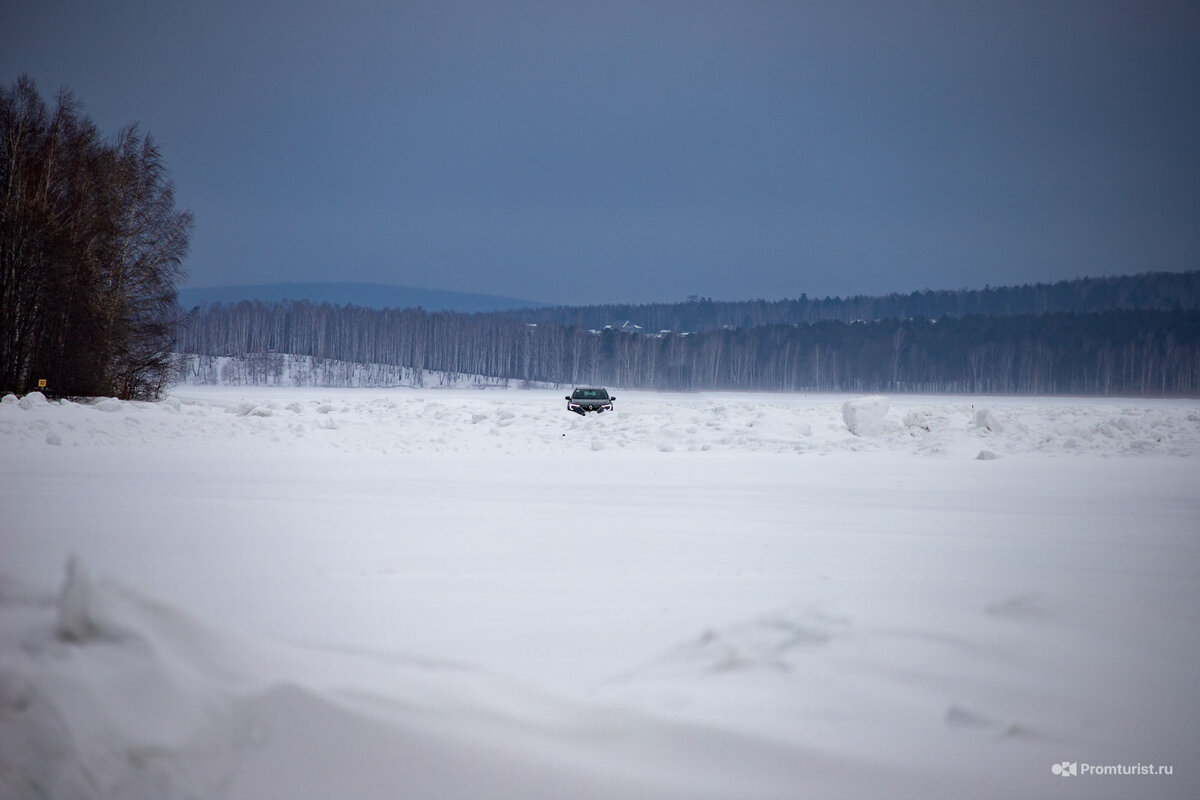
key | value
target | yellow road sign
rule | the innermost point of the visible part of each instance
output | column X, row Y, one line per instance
column 41, row 383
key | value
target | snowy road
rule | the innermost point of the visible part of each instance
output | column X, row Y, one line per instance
column 697, row 595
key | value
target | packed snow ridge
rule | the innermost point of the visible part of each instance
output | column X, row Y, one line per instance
column 295, row 371
column 510, row 422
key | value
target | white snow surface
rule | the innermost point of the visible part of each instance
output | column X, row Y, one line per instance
column 358, row 593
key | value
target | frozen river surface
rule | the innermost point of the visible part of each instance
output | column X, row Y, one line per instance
column 454, row 593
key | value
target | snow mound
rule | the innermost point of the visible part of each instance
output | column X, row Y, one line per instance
column 32, row 400
column 986, row 420
column 9, row 399
column 866, row 416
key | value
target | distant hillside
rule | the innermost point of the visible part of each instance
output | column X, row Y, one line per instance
column 1161, row 291
column 367, row 295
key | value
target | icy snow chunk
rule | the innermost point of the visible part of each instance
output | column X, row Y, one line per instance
column 986, row 455
column 32, row 400
column 53, row 438
column 985, row 420
column 866, row 416
column 918, row 419
column 245, row 409
column 1126, row 424
column 75, row 621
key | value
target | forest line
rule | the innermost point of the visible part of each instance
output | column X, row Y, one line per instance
column 1127, row 352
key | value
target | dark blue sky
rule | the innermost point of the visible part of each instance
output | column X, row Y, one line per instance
column 592, row 152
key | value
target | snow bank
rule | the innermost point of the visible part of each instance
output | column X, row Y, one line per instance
column 109, row 405
column 289, row 370
column 530, row 421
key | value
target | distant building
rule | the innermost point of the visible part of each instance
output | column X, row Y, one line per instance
column 624, row 327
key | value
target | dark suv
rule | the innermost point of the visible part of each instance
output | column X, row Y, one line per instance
column 583, row 400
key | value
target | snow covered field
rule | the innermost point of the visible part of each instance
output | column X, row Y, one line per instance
column 285, row 593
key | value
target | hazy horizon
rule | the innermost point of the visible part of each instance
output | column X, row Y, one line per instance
column 536, row 301
column 639, row 152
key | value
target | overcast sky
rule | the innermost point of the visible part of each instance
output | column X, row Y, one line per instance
column 599, row 151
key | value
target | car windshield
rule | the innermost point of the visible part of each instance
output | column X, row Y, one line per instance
column 590, row 394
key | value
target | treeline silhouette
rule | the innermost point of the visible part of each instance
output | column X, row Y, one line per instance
column 1127, row 352
column 1164, row 291
column 91, row 247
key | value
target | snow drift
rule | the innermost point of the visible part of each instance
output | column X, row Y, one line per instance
column 122, row 697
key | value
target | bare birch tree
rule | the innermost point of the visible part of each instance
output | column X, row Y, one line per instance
column 91, row 247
